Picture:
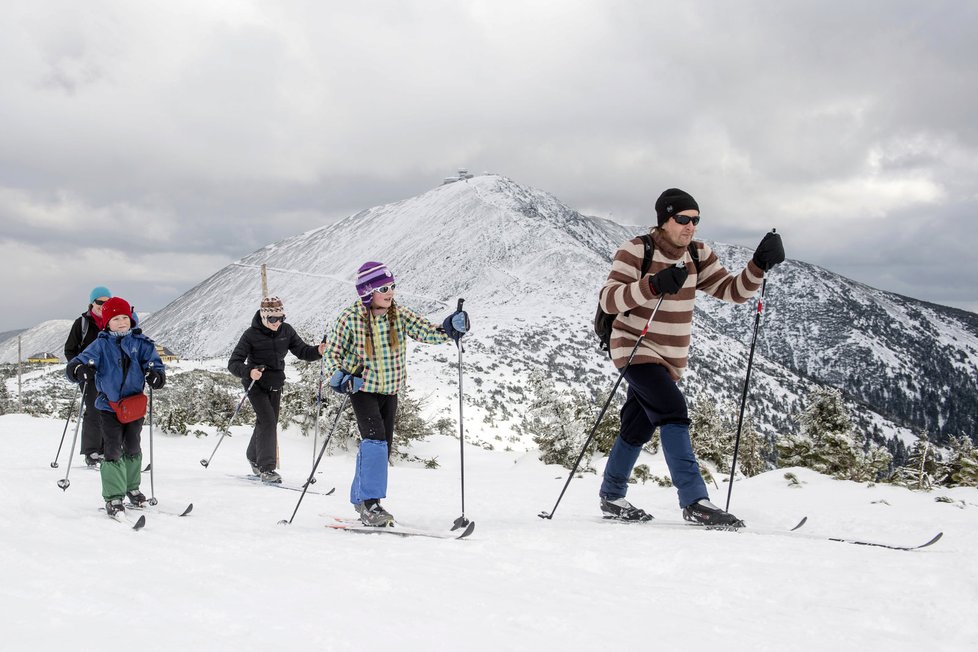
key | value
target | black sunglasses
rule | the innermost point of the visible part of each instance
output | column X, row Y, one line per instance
column 99, row 302
column 686, row 219
column 274, row 319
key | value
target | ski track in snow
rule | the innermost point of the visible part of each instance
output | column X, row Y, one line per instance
column 229, row 577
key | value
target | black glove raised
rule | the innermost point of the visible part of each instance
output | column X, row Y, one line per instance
column 669, row 280
column 155, row 378
column 769, row 252
column 84, row 373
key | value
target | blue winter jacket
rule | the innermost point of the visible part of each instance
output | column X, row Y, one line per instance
column 106, row 354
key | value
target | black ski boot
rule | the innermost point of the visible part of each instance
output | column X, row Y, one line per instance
column 620, row 509
column 706, row 513
column 115, row 508
column 136, row 498
column 375, row 515
column 271, row 477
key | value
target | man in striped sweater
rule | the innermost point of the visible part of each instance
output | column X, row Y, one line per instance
column 654, row 399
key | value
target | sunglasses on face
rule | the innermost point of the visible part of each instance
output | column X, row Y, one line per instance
column 384, row 289
column 686, row 219
column 99, row 302
column 274, row 319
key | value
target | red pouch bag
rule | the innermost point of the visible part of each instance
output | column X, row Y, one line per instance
column 129, row 408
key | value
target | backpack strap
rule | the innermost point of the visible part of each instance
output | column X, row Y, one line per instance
column 646, row 259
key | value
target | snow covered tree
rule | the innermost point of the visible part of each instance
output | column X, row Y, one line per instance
column 710, row 435
column 923, row 468
column 962, row 468
column 608, row 429
column 827, row 443
column 751, row 454
column 409, row 427
column 556, row 421
column 713, row 431
column 826, row 415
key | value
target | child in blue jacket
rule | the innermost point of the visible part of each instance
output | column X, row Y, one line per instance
column 121, row 361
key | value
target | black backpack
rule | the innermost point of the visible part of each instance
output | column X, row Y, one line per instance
column 603, row 321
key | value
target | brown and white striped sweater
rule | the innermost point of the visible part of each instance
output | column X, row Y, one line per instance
column 667, row 342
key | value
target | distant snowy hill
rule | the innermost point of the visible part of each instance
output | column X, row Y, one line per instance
column 46, row 336
column 530, row 269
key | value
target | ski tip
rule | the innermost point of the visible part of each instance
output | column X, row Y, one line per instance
column 330, row 492
column 932, row 541
column 469, row 529
column 189, row 509
column 804, row 519
column 140, row 522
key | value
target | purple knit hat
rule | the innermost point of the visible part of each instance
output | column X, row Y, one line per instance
column 371, row 276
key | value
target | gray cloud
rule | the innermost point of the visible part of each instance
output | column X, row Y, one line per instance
column 146, row 146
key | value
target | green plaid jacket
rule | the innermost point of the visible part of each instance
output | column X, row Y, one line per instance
column 386, row 372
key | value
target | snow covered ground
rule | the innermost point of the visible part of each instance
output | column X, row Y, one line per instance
column 229, row 577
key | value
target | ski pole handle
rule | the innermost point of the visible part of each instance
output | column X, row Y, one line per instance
column 458, row 308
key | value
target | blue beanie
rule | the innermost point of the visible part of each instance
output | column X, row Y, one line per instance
column 100, row 291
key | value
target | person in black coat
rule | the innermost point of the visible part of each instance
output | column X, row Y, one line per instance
column 260, row 357
column 83, row 332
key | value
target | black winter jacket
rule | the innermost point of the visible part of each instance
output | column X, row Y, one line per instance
column 75, row 343
column 260, row 345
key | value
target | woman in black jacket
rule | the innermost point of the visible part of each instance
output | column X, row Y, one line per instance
column 83, row 332
column 260, row 357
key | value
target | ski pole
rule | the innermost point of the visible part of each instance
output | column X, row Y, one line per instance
column 461, row 521
column 322, row 450
column 743, row 395
column 604, row 409
column 319, row 407
column 152, row 488
column 64, row 483
column 71, row 410
column 207, row 462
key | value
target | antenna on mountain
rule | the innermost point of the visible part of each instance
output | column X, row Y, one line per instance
column 264, row 281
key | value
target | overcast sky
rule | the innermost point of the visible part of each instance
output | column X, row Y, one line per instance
column 145, row 145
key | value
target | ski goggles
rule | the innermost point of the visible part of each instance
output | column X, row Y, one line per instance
column 274, row 319
column 384, row 289
column 686, row 219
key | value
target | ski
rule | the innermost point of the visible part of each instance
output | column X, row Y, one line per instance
column 281, row 485
column 354, row 525
column 792, row 532
column 137, row 525
column 661, row 523
column 875, row 544
column 153, row 509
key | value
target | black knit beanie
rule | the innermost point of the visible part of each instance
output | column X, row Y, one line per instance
column 673, row 201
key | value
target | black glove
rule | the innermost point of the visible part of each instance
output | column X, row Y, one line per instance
column 156, row 378
column 770, row 252
column 669, row 280
column 84, row 373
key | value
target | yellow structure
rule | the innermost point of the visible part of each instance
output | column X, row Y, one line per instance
column 166, row 355
column 45, row 357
